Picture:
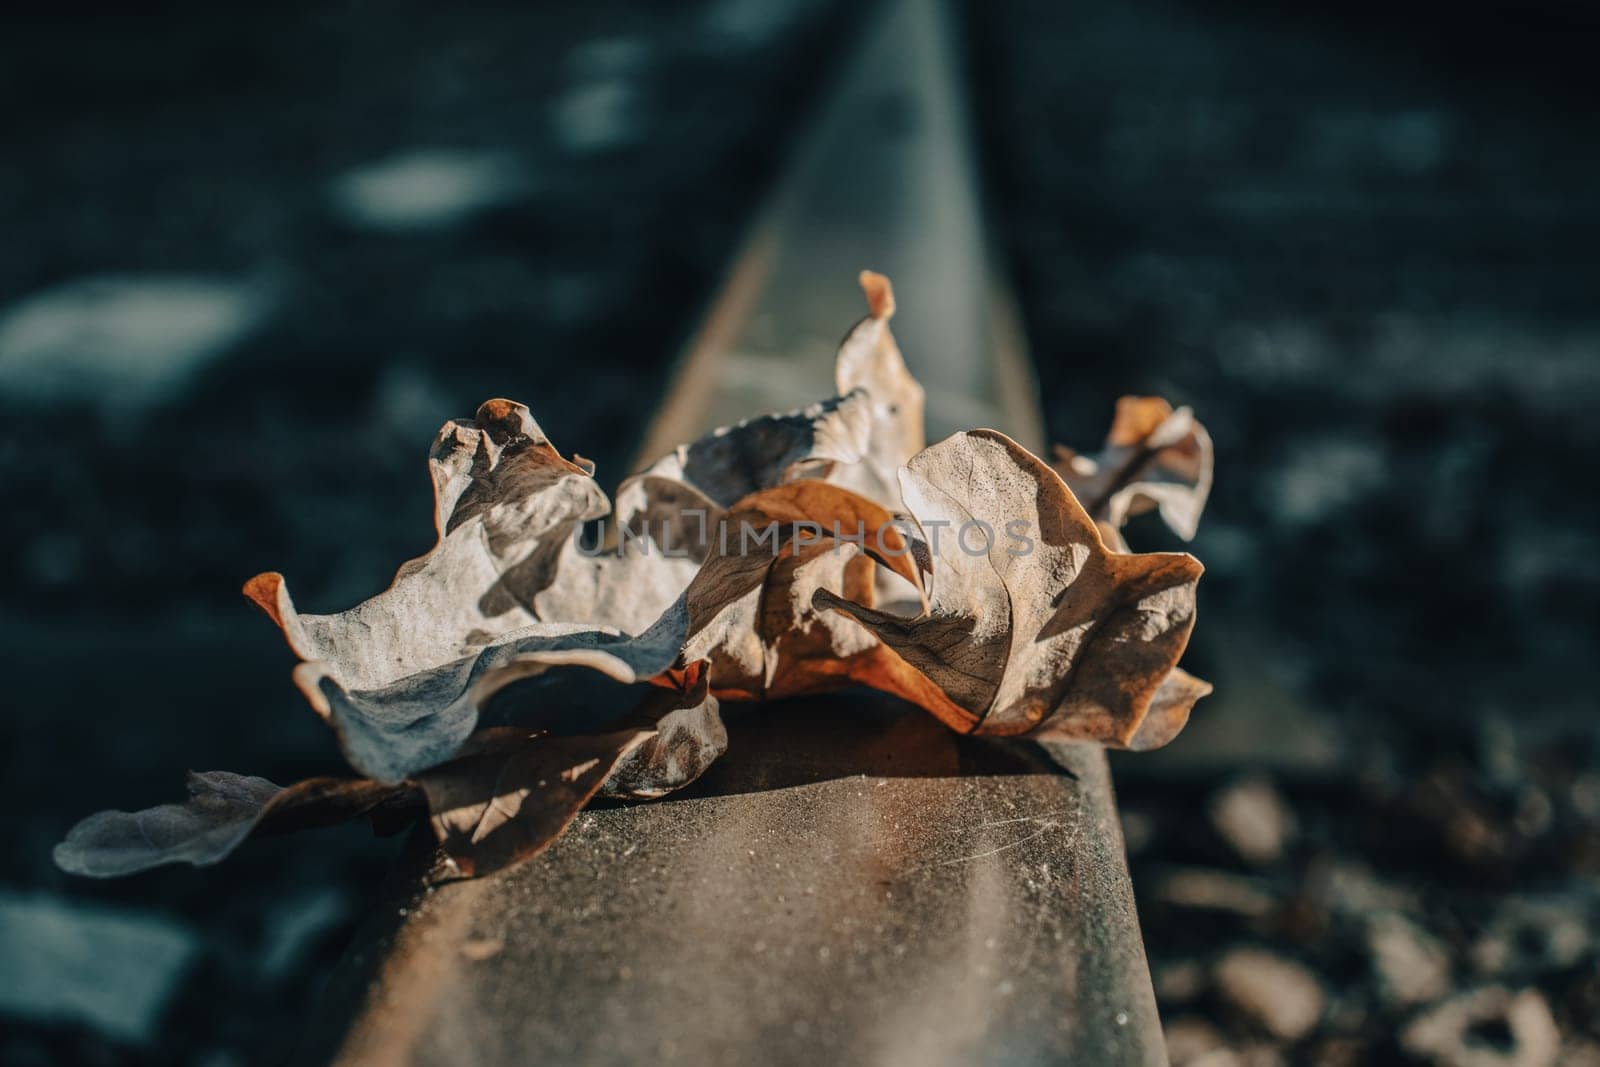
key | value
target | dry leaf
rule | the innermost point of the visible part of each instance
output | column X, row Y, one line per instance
column 423, row 719
column 1050, row 634
column 513, row 792
column 688, row 737
column 1154, row 457
column 732, row 462
column 222, row 810
column 509, row 793
column 659, row 536
column 750, row 608
column 1074, row 639
column 501, row 494
column 506, row 593
column 870, row 360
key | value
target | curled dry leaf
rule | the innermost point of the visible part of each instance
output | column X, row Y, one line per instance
column 688, row 737
column 507, row 593
column 750, row 609
column 1035, row 627
column 1154, row 457
column 664, row 514
column 869, row 360
column 423, row 719
column 732, row 462
column 1073, row 639
column 222, row 810
column 508, row 793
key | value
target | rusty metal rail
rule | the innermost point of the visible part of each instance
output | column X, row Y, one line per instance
column 853, row 883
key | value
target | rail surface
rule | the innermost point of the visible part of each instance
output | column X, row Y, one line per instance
column 852, row 883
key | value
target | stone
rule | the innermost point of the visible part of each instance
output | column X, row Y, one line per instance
column 1204, row 889
column 1413, row 967
column 1280, row 995
column 111, row 969
column 1254, row 820
column 1179, row 981
column 1191, row 1038
column 128, row 341
column 1488, row 1027
column 425, row 189
column 1530, row 936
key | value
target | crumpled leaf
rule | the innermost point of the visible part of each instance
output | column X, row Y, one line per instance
column 659, row 536
column 687, row 737
column 870, row 360
column 504, row 498
column 512, row 792
column 506, row 594
column 1077, row 640
column 507, row 795
column 732, row 462
column 423, row 719
column 1059, row 638
column 508, row 591
column 1154, row 457
column 222, row 810
column 750, row 608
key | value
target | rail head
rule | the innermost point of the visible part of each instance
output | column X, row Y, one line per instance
column 853, row 882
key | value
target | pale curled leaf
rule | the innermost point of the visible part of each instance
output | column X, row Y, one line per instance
column 1154, row 457
column 650, row 551
column 1049, row 633
column 870, row 360
column 506, row 593
column 223, row 809
column 423, row 719
column 732, row 462
column 504, row 500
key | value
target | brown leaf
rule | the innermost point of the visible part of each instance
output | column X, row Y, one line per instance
column 512, row 792
column 506, row 594
column 1154, row 457
column 688, row 737
column 401, row 677
column 659, row 536
column 1047, row 633
column 750, row 608
column 222, row 810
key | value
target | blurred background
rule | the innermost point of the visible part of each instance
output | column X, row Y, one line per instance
column 252, row 260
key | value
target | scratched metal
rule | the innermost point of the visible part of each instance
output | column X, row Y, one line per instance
column 859, row 885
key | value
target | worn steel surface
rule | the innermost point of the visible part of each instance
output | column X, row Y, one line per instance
column 853, row 882
column 857, row 884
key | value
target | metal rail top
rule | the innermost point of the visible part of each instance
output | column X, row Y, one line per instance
column 853, row 883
